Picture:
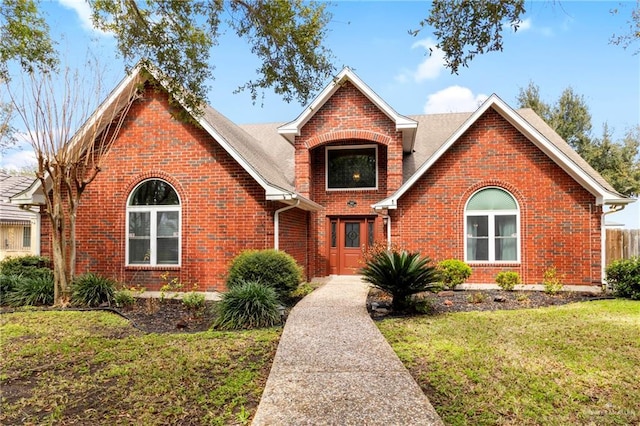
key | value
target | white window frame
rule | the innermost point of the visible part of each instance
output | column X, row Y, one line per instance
column 491, row 215
column 153, row 211
column 350, row 147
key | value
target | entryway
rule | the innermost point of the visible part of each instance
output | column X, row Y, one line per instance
column 348, row 237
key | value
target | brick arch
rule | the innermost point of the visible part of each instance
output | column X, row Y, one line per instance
column 338, row 135
column 515, row 192
column 155, row 175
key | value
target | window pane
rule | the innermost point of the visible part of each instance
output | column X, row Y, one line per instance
column 492, row 199
column 351, row 168
column 139, row 250
column 139, row 224
column 154, row 193
column 477, row 238
column 506, row 237
column 167, row 224
column 26, row 236
column 167, row 251
column 352, row 234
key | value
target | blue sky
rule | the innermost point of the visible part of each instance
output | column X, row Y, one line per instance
column 558, row 45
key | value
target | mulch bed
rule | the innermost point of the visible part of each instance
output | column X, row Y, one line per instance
column 379, row 304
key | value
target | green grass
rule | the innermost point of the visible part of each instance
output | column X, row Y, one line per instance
column 94, row 368
column 575, row 364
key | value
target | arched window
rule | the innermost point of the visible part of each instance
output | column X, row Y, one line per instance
column 492, row 227
column 153, row 223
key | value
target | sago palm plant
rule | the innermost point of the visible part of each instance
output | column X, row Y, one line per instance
column 400, row 274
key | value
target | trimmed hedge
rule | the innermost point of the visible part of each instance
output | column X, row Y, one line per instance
column 273, row 268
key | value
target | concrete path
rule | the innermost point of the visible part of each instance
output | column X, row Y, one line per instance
column 333, row 367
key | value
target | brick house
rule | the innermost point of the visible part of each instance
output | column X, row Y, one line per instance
column 497, row 188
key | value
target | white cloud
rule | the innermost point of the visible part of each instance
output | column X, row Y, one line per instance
column 82, row 9
column 18, row 160
column 525, row 25
column 429, row 68
column 453, row 99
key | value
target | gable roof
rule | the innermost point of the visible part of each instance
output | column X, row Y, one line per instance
column 538, row 132
column 404, row 124
column 248, row 152
column 10, row 186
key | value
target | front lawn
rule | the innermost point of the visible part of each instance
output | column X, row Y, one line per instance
column 95, row 368
column 574, row 364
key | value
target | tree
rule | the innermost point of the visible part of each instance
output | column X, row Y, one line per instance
column 70, row 144
column 617, row 162
column 465, row 28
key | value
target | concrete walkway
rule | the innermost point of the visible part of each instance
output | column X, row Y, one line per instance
column 333, row 367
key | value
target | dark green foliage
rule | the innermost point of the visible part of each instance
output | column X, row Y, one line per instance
column 624, row 277
column 248, row 305
column 507, row 280
column 400, row 274
column 8, row 283
column 32, row 292
column 92, row 290
column 453, row 272
column 25, row 266
column 274, row 268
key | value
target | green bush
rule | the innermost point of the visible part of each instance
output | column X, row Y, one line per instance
column 273, row 268
column 248, row 305
column 193, row 300
column 453, row 272
column 92, row 290
column 123, row 298
column 551, row 281
column 8, row 283
column 400, row 274
column 301, row 291
column 624, row 277
column 26, row 266
column 507, row 280
column 32, row 292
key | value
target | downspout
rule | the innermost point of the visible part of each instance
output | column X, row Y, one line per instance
column 387, row 219
column 276, row 223
column 615, row 208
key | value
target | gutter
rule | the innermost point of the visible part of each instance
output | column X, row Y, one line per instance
column 276, row 223
column 615, row 208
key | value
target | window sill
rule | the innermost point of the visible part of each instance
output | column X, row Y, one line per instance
column 494, row 264
column 152, row 267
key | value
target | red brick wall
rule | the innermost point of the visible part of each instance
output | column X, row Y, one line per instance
column 560, row 226
column 348, row 118
column 223, row 208
column 294, row 236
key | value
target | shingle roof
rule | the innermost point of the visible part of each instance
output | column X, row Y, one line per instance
column 9, row 186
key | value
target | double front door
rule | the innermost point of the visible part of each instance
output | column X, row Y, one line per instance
column 348, row 238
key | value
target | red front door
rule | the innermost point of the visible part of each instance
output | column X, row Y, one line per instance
column 348, row 237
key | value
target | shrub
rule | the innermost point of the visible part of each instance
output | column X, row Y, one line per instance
column 476, row 298
column 26, row 266
column 507, row 280
column 123, row 298
column 301, row 291
column 248, row 305
column 453, row 272
column 400, row 274
column 8, row 283
column 273, row 268
column 32, row 292
column 551, row 281
column 92, row 290
column 624, row 277
column 193, row 300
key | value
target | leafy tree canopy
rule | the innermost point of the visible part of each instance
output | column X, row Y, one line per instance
column 618, row 162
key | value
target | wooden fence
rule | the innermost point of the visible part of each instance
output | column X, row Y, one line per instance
column 622, row 244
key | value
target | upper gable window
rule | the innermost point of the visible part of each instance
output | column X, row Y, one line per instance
column 352, row 167
column 492, row 227
column 153, row 223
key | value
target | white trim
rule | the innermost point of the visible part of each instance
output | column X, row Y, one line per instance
column 602, row 195
column 345, row 148
column 153, row 210
column 491, row 214
column 405, row 124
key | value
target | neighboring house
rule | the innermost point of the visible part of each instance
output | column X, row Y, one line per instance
column 497, row 188
column 19, row 228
